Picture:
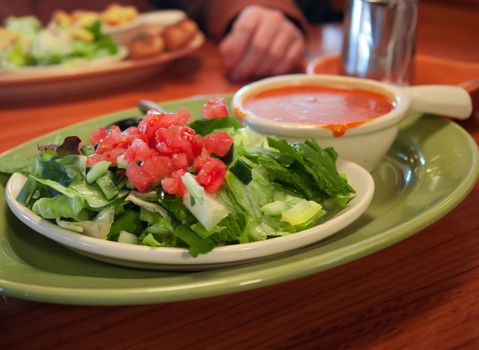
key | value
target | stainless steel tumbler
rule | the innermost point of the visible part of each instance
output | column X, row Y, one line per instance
column 380, row 40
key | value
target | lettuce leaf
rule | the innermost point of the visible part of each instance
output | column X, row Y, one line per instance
column 61, row 206
column 196, row 244
column 98, row 227
column 128, row 221
column 319, row 163
column 160, row 233
column 91, row 194
column 207, row 126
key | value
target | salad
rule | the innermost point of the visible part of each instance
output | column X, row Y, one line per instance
column 169, row 182
column 25, row 42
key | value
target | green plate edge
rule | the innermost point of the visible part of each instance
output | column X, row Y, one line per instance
column 224, row 280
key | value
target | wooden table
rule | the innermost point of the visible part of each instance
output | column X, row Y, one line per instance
column 422, row 293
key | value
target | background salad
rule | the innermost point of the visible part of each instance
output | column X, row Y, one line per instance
column 25, row 42
column 167, row 183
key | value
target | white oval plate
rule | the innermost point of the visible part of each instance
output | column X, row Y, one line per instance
column 179, row 258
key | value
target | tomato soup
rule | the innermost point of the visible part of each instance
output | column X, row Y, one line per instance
column 337, row 108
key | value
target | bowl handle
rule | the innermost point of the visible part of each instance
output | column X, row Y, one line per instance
column 446, row 100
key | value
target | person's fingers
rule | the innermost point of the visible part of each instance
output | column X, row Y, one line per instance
column 259, row 47
column 229, row 50
column 234, row 45
column 292, row 57
column 276, row 54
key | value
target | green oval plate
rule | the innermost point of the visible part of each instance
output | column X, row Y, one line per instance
column 421, row 180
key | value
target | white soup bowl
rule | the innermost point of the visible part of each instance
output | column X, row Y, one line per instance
column 367, row 143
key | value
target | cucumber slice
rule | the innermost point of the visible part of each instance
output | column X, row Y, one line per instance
column 242, row 170
column 97, row 171
column 205, row 207
column 107, row 186
column 121, row 163
column 27, row 191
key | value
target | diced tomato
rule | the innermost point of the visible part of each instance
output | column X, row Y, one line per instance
column 211, row 174
column 112, row 141
column 109, row 156
column 175, row 139
column 158, row 167
column 149, row 124
column 160, row 135
column 112, row 155
column 197, row 144
column 169, row 119
column 183, row 116
column 114, row 130
column 218, row 143
column 138, row 150
column 163, row 147
column 131, row 134
column 180, row 118
column 187, row 133
column 164, row 150
column 200, row 160
column 174, row 185
column 180, row 161
column 215, row 108
column 139, row 178
column 93, row 159
column 177, row 133
column 155, row 120
column 97, row 135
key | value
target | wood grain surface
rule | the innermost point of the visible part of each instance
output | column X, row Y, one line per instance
column 422, row 293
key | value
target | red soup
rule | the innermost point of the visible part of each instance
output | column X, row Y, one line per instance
column 336, row 108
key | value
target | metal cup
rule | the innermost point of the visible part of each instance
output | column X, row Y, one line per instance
column 380, row 40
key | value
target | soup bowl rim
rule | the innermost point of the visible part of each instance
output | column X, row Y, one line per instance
column 401, row 103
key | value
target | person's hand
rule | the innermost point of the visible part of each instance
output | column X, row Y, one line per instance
column 262, row 42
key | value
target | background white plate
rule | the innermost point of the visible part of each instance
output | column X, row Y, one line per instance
column 179, row 258
column 50, row 83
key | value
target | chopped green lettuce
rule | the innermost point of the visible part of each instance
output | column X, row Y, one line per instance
column 129, row 221
column 98, row 227
column 196, row 244
column 302, row 213
column 61, row 206
column 207, row 126
column 91, row 194
column 163, row 232
column 127, row 237
column 135, row 197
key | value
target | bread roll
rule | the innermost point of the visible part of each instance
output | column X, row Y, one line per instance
column 146, row 45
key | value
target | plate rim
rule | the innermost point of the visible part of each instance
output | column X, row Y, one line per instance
column 271, row 274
